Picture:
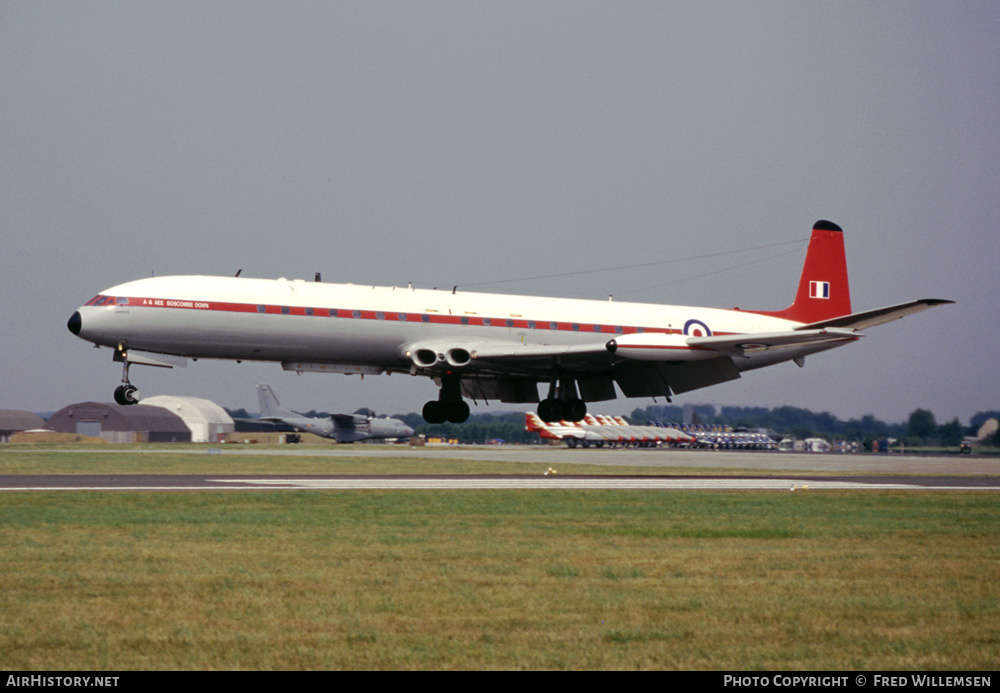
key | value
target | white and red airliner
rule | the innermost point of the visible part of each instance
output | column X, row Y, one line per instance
column 475, row 345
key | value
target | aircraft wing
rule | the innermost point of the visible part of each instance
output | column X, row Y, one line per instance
column 879, row 316
column 582, row 355
column 739, row 345
column 509, row 371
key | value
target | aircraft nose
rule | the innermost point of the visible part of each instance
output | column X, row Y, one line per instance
column 75, row 323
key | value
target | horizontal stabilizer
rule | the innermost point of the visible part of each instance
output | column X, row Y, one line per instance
column 879, row 316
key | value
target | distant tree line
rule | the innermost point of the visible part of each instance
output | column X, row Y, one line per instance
column 790, row 421
column 920, row 428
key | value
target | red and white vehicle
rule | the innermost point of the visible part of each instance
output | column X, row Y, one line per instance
column 569, row 432
column 608, row 431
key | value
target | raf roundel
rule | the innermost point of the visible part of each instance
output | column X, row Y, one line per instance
column 696, row 328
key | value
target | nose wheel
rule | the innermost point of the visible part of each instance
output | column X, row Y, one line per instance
column 127, row 394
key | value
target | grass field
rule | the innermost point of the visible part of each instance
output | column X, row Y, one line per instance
column 499, row 580
column 171, row 459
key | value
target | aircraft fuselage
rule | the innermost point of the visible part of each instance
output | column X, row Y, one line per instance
column 312, row 322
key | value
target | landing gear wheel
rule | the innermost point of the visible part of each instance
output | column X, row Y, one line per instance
column 126, row 395
column 576, row 409
column 551, row 409
column 434, row 412
column 457, row 412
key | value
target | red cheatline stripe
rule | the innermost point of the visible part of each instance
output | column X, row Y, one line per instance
column 391, row 316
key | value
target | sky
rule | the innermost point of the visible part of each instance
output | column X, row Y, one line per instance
column 457, row 143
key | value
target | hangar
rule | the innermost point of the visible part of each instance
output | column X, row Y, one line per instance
column 116, row 424
column 15, row 421
column 207, row 421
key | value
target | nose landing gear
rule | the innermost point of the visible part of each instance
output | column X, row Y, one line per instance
column 126, row 393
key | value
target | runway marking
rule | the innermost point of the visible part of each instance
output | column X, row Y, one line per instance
column 552, row 482
column 557, row 483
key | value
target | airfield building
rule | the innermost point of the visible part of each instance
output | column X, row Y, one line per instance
column 207, row 421
column 15, row 421
column 116, row 424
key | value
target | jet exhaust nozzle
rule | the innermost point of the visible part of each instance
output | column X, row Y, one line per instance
column 424, row 358
column 458, row 357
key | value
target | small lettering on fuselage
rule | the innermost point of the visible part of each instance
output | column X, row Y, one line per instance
column 168, row 303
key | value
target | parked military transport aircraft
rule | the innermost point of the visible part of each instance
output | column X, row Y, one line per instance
column 345, row 428
column 480, row 346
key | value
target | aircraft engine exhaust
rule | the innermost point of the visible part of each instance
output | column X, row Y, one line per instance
column 425, row 358
column 458, row 357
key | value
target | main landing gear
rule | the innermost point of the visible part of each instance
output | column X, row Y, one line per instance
column 563, row 403
column 126, row 393
column 449, row 406
column 552, row 409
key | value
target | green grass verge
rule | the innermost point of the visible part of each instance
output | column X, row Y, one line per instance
column 192, row 459
column 500, row 580
column 163, row 460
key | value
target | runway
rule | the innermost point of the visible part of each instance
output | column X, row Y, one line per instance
column 744, row 460
column 215, row 482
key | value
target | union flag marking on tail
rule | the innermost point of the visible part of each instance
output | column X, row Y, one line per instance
column 819, row 289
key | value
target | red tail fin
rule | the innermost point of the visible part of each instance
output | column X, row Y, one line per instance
column 823, row 288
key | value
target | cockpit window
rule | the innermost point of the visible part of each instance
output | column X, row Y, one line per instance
column 122, row 300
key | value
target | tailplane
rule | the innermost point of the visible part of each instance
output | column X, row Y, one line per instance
column 823, row 291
